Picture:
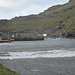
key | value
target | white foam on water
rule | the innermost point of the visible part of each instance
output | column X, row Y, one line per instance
column 39, row 54
column 35, row 70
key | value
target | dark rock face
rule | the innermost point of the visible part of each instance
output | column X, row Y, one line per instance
column 51, row 30
column 70, row 35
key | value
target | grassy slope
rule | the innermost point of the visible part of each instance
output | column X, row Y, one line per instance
column 62, row 15
column 5, row 71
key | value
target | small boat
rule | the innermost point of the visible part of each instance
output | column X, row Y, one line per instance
column 5, row 41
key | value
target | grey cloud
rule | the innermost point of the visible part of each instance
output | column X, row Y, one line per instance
column 28, row 6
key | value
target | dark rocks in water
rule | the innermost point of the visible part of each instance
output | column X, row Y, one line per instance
column 70, row 35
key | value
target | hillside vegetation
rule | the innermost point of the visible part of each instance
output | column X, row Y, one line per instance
column 58, row 20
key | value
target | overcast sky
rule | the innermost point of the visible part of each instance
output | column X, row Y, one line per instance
column 11, row 8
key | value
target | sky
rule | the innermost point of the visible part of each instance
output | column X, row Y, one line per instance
column 15, row 8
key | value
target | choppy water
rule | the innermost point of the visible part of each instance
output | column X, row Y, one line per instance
column 49, row 48
column 48, row 57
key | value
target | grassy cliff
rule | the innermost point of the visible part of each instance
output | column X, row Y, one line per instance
column 58, row 20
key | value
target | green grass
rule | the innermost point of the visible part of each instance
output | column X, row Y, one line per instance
column 5, row 71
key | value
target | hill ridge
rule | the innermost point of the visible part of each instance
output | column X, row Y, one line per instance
column 57, row 21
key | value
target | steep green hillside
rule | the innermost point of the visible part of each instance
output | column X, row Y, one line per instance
column 56, row 21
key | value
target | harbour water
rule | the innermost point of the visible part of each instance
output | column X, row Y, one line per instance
column 46, row 57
